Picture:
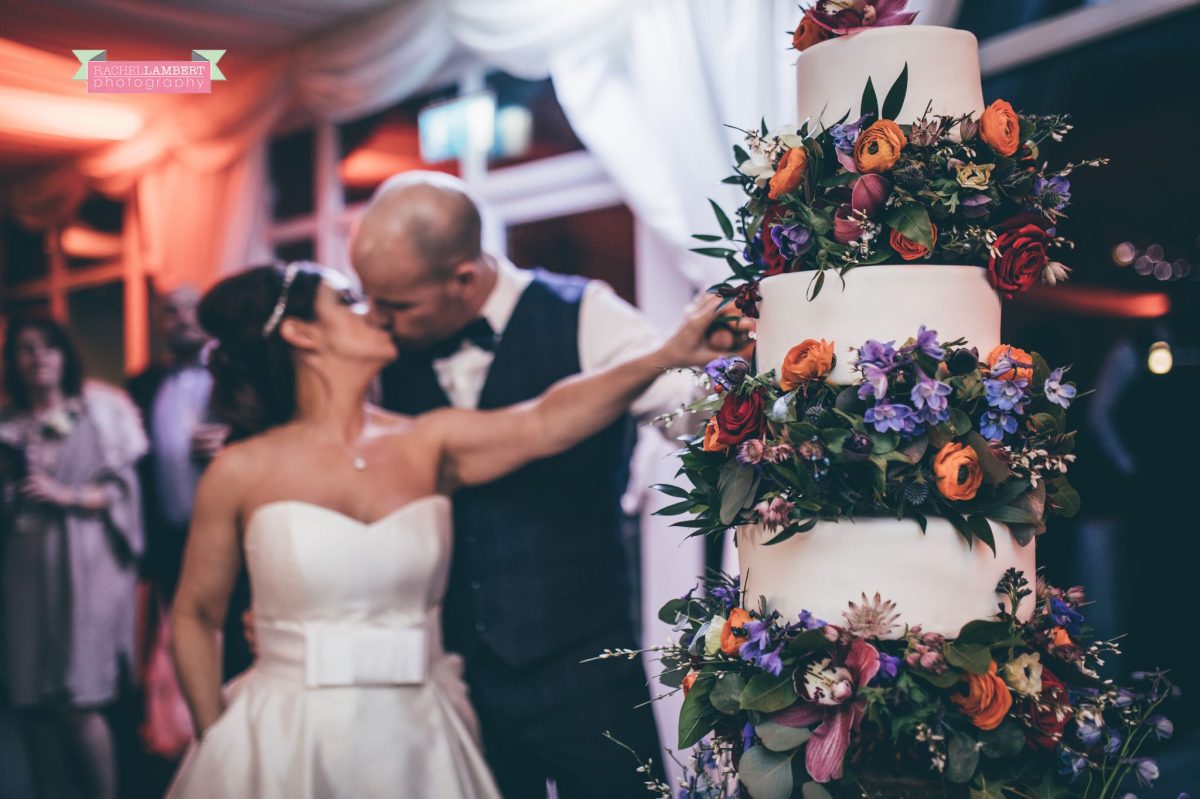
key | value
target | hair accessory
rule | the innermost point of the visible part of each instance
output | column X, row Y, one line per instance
column 276, row 317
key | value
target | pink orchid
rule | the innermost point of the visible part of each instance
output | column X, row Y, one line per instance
column 829, row 697
column 869, row 193
column 843, row 17
column 845, row 227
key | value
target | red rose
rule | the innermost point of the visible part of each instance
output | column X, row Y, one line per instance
column 1048, row 712
column 740, row 418
column 774, row 259
column 1022, row 247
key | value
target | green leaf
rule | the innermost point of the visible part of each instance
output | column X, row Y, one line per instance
column 722, row 219
column 911, row 220
column 987, row 790
column 1043, row 423
column 727, row 693
column 945, row 680
column 1063, row 499
column 895, row 96
column 779, row 738
column 994, row 471
column 814, row 288
column 982, row 633
column 960, row 423
column 736, row 486
column 766, row 774
column 1007, row 740
column 972, row 657
column 815, row 790
column 713, row 252
column 706, row 237
column 883, row 443
column 671, row 490
column 977, row 523
column 962, row 758
column 740, row 155
column 768, row 693
column 870, row 103
column 696, row 718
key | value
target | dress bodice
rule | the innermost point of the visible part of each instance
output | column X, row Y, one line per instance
column 340, row 601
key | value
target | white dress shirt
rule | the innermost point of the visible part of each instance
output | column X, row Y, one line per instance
column 609, row 329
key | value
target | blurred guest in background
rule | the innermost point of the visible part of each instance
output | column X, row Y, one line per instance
column 74, row 536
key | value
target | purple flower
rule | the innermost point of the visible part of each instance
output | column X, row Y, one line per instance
column 930, row 393
column 728, row 597
column 753, row 252
column 771, row 661
column 747, row 736
column 1007, row 395
column 995, row 424
column 1161, row 726
column 844, row 136
column 927, row 342
column 974, row 206
column 792, row 240
column 751, row 451
column 1146, row 771
column 809, row 621
column 887, row 416
column 1088, row 731
column 875, row 382
column 715, row 369
column 889, row 667
column 1073, row 764
column 1065, row 616
column 758, row 637
column 1053, row 194
column 1113, row 745
column 879, row 354
column 1058, row 392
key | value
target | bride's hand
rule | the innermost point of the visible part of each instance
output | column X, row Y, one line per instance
column 698, row 340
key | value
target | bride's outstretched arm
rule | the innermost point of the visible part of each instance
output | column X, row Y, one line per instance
column 210, row 568
column 480, row 446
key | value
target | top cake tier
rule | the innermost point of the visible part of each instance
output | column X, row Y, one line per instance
column 943, row 69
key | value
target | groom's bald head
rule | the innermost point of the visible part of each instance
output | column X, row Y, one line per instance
column 416, row 225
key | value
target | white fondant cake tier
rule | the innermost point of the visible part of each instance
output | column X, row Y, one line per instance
column 943, row 68
column 878, row 302
column 935, row 578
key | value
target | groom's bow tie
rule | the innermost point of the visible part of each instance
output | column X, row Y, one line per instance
column 478, row 331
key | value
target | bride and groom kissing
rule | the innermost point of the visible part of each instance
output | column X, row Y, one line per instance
column 480, row 503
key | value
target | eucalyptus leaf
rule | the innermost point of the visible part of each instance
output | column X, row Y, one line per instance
column 815, row 790
column 1007, row 740
column 975, row 658
column 766, row 774
column 779, row 738
column 962, row 757
column 726, row 695
column 736, row 485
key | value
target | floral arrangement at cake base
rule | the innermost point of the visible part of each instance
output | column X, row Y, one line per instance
column 929, row 430
column 843, row 708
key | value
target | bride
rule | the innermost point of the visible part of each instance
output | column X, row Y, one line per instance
column 340, row 513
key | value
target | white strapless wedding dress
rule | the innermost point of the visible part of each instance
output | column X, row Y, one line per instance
column 351, row 694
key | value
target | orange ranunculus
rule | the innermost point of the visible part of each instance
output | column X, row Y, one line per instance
column 808, row 33
column 790, row 173
column 689, row 680
column 987, row 701
column 1000, row 128
column 957, row 469
column 878, row 147
column 710, row 437
column 733, row 634
column 908, row 249
column 808, row 360
column 1060, row 637
column 1016, row 356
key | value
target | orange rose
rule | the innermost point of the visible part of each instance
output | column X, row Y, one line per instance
column 1060, row 637
column 987, row 701
column 958, row 473
column 710, row 437
column 808, row 33
column 1016, row 356
column 878, row 147
column 689, row 680
column 1000, row 128
column 908, row 249
column 733, row 634
column 790, row 173
column 808, row 360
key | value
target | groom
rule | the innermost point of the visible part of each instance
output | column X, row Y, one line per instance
column 538, row 581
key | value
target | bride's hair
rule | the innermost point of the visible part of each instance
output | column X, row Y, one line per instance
column 253, row 371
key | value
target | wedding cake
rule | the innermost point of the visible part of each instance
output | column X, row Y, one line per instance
column 938, row 579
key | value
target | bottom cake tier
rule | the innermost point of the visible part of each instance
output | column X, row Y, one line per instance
column 935, row 578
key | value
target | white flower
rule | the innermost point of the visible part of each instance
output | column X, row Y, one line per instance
column 874, row 618
column 1024, row 674
column 712, row 638
column 1054, row 273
